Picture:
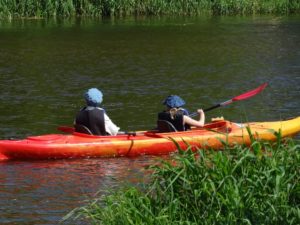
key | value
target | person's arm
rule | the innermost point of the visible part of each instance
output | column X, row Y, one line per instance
column 110, row 127
column 196, row 123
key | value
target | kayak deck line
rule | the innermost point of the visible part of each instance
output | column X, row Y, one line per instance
column 77, row 145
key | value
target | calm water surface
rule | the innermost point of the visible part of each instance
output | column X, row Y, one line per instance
column 45, row 67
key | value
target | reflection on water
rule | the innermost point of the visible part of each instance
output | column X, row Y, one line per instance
column 45, row 66
column 42, row 192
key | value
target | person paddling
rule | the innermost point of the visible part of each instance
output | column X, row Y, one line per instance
column 93, row 117
column 178, row 116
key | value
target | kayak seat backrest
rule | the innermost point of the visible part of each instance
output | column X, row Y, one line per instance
column 82, row 129
column 164, row 126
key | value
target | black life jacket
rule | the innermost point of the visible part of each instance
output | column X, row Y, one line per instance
column 177, row 120
column 93, row 119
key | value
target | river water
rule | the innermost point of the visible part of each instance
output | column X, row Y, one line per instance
column 46, row 66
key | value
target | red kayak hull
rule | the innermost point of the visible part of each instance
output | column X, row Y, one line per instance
column 76, row 145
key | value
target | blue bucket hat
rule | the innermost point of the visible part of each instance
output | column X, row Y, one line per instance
column 174, row 101
column 93, row 97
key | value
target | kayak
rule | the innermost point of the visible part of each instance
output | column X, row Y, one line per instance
column 79, row 145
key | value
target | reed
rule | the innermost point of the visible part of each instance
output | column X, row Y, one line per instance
column 233, row 186
column 97, row 8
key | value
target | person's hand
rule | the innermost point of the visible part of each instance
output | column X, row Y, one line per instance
column 200, row 111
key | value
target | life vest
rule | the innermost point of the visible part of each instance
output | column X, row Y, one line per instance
column 93, row 119
column 175, row 118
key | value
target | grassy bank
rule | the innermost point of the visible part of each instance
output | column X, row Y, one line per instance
column 68, row 8
column 234, row 186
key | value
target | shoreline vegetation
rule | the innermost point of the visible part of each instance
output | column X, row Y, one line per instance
column 239, row 185
column 118, row 8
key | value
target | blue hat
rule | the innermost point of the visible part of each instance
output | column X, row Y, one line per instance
column 174, row 101
column 93, row 97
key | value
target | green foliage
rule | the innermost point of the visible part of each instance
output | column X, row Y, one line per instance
column 233, row 186
column 67, row 8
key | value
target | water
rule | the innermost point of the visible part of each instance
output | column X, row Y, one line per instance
column 41, row 192
column 45, row 67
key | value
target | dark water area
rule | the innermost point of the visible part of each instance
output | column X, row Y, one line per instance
column 46, row 66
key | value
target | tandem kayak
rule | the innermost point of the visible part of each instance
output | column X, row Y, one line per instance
column 78, row 145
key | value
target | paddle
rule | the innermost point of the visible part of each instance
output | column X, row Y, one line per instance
column 243, row 96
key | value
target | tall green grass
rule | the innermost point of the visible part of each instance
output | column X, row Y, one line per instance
column 233, row 186
column 96, row 8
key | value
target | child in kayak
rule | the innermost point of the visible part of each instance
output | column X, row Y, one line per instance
column 178, row 116
column 93, row 117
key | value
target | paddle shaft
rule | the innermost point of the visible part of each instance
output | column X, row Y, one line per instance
column 207, row 109
column 218, row 105
column 211, row 108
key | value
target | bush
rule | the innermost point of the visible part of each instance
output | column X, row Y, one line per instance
column 111, row 8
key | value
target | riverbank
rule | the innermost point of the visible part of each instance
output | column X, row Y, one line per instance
column 111, row 8
column 234, row 186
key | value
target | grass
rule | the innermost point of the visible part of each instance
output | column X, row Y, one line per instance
column 239, row 185
column 100, row 8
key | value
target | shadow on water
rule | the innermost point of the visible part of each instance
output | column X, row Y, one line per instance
column 45, row 67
